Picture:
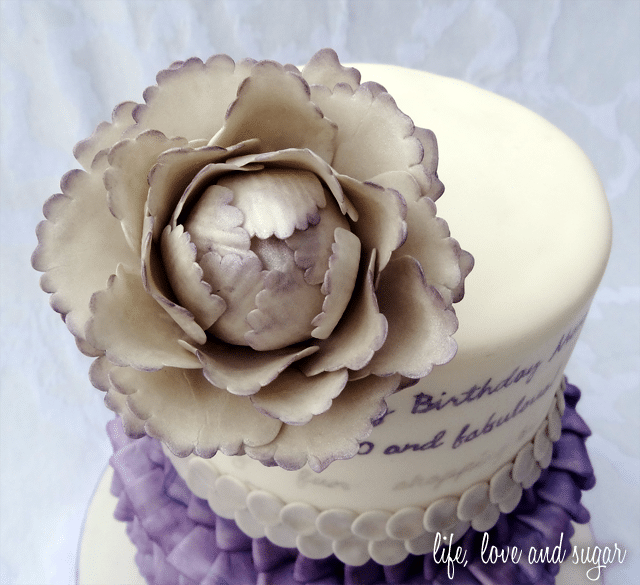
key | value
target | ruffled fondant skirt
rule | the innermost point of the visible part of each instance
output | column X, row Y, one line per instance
column 181, row 541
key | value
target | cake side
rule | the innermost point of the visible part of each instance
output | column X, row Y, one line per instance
column 526, row 200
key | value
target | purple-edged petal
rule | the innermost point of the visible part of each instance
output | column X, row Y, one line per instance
column 420, row 325
column 381, row 224
column 466, row 262
column 99, row 373
column 215, row 225
column 423, row 174
column 191, row 98
column 87, row 349
column 334, row 434
column 273, row 322
column 426, row 172
column 312, row 247
column 324, row 68
column 185, row 276
column 428, row 237
column 276, row 201
column 429, row 242
column 175, row 170
column 294, row 398
column 273, row 105
column 132, row 329
column 181, row 408
column 131, row 424
column 243, row 371
column 80, row 245
column 400, row 181
column 237, row 279
column 206, row 178
column 308, row 161
column 105, row 135
column 374, row 136
column 339, row 281
column 126, row 179
column 360, row 333
column 154, row 281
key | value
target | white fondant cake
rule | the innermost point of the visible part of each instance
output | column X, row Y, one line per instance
column 526, row 201
column 279, row 292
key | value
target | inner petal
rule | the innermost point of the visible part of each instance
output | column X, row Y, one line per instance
column 276, row 201
column 287, row 305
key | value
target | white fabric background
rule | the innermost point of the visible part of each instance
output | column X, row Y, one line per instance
column 66, row 63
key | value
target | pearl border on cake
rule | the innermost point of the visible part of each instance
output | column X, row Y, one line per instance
column 387, row 538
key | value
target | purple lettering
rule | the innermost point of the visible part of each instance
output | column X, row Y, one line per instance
column 365, row 448
column 433, row 443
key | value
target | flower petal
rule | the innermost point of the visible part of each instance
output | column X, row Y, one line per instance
column 426, row 172
column 334, row 434
column 312, row 247
column 272, row 322
column 339, row 282
column 417, row 243
column 105, row 135
column 190, row 415
column 382, row 213
column 237, row 279
column 79, row 246
column 185, row 276
column 359, row 334
column 132, row 329
column 429, row 242
column 324, row 68
column 243, row 371
column 374, row 136
column 294, row 398
column 171, row 182
column 99, row 373
column 466, row 262
column 304, row 160
column 126, row 179
column 420, row 325
column 214, row 225
column 273, row 105
column 276, row 201
column 173, row 173
column 400, row 181
column 132, row 425
column 175, row 106
column 155, row 283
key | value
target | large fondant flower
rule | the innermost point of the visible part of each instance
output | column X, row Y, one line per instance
column 254, row 259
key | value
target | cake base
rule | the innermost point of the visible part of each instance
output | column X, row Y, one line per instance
column 106, row 555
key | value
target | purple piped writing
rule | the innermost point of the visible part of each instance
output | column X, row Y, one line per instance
column 567, row 337
column 424, row 403
column 431, row 444
column 466, row 436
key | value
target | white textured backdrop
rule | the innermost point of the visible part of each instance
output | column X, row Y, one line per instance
column 65, row 64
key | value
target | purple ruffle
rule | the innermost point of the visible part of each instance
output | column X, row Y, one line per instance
column 181, row 541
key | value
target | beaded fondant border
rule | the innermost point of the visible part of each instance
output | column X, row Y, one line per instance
column 387, row 538
column 179, row 538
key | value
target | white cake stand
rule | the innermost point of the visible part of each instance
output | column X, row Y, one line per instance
column 106, row 555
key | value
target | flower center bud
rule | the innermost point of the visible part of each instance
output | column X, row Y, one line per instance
column 269, row 260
